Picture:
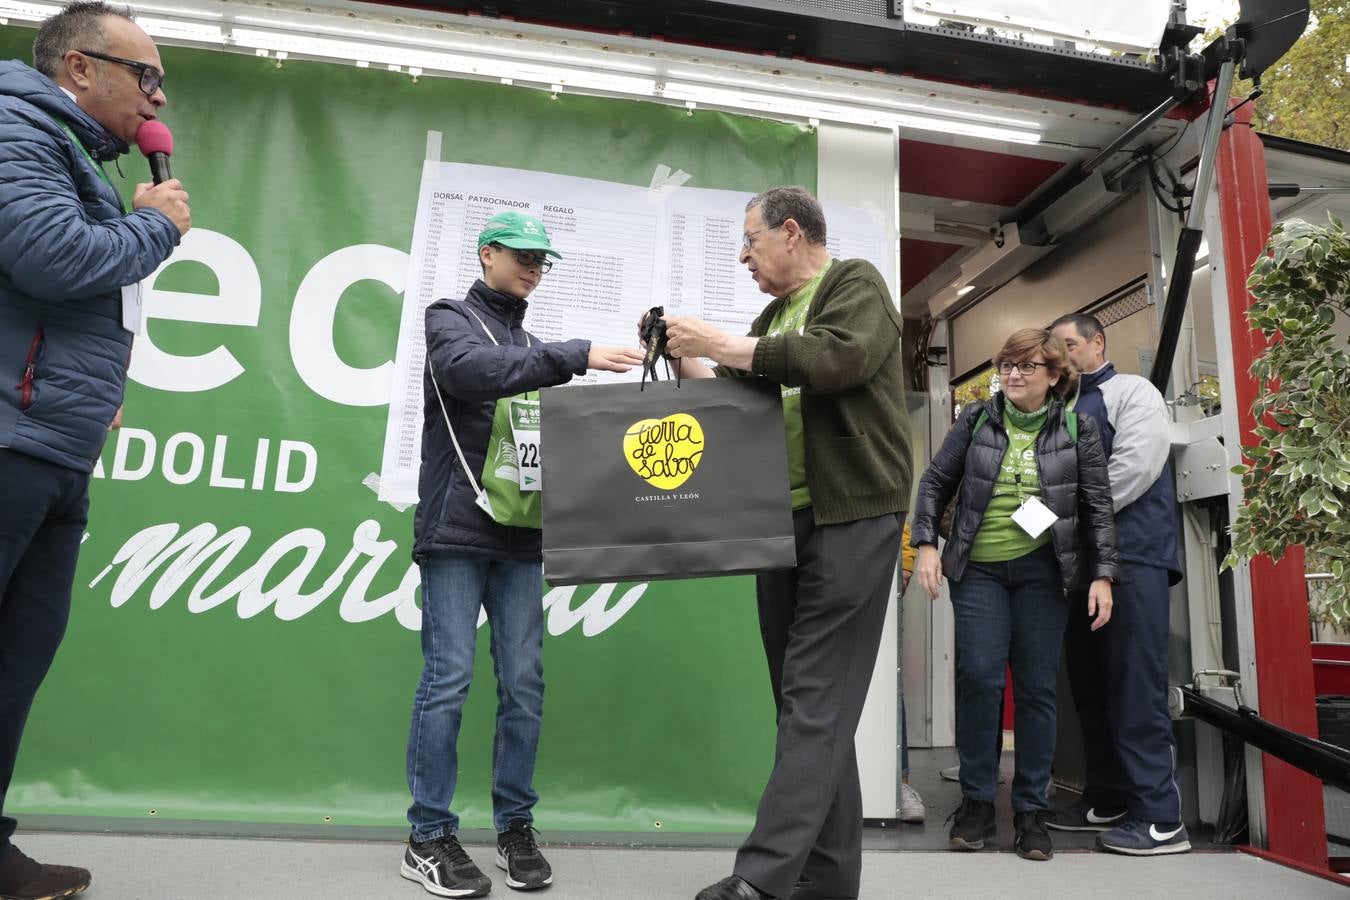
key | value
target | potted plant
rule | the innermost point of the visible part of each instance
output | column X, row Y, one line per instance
column 1296, row 485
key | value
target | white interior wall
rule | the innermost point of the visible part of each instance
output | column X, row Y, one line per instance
column 860, row 167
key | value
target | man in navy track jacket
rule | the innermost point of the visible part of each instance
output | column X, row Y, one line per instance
column 1119, row 673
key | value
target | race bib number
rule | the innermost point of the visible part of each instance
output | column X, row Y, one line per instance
column 525, row 434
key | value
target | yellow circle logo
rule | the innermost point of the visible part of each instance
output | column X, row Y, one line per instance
column 664, row 452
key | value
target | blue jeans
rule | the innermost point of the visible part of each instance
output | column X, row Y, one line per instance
column 454, row 587
column 1008, row 612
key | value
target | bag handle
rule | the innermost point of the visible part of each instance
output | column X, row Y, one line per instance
column 495, row 342
column 445, row 414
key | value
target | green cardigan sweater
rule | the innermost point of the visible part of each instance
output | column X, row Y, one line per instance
column 850, row 369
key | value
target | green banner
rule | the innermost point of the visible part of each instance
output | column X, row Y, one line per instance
column 243, row 644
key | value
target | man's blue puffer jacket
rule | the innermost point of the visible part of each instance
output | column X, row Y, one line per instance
column 66, row 250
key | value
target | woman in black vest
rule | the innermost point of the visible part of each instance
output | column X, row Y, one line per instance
column 1032, row 520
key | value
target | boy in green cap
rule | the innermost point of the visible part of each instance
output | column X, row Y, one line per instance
column 479, row 353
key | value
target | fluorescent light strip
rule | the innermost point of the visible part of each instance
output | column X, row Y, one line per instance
column 969, row 129
column 27, row 12
column 868, row 95
column 176, row 11
column 497, row 61
column 834, row 112
column 444, row 62
column 187, row 31
column 377, row 53
column 599, row 81
column 515, row 49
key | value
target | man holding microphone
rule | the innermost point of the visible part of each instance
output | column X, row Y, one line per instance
column 68, row 248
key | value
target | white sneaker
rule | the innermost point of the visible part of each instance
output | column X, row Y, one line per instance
column 911, row 805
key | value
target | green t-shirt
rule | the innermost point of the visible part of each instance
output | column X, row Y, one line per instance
column 792, row 317
column 1000, row 538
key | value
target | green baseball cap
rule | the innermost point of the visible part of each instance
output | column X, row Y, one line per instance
column 517, row 231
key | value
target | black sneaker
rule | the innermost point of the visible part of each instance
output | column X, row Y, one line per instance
column 974, row 821
column 1083, row 816
column 443, row 868
column 1033, row 841
column 518, row 854
column 22, row 878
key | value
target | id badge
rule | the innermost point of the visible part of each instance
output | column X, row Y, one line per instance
column 133, row 307
column 525, row 433
column 1034, row 517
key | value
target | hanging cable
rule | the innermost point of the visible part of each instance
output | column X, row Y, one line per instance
column 1154, row 157
column 918, row 367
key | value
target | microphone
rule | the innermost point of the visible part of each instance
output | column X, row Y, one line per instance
column 156, row 142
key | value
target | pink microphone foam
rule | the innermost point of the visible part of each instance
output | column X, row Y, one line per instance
column 154, row 137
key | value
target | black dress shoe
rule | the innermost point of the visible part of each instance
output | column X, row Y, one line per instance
column 808, row 889
column 733, row 887
column 22, row 878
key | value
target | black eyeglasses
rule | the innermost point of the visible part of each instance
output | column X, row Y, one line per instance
column 152, row 79
column 528, row 258
column 1026, row 368
column 748, row 239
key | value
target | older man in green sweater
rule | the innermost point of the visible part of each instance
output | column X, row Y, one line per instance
column 831, row 338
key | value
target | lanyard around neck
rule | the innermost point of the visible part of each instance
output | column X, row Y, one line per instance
column 98, row 166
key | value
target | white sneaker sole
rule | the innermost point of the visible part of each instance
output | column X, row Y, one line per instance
column 1104, row 827
column 519, row 885
column 432, row 887
column 912, row 816
column 964, row 846
column 1164, row 850
column 1037, row 855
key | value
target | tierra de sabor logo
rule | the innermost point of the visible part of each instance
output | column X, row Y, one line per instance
column 664, row 452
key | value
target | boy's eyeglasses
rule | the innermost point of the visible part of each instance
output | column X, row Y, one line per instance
column 528, row 258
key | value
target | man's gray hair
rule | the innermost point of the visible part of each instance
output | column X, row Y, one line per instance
column 79, row 26
column 777, row 205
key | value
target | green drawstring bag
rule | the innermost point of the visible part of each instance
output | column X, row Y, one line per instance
column 511, row 472
column 509, row 488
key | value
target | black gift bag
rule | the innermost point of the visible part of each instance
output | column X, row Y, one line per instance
column 673, row 481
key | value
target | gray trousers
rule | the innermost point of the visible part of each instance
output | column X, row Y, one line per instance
column 821, row 624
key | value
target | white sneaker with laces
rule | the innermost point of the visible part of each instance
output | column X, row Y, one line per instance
column 911, row 805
